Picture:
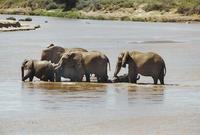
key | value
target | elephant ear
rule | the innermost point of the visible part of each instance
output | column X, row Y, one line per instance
column 30, row 64
column 24, row 62
column 72, row 54
column 125, row 59
column 51, row 45
column 77, row 59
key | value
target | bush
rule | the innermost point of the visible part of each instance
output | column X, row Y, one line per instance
column 52, row 5
column 153, row 6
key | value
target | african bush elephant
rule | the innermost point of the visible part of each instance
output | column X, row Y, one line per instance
column 54, row 53
column 87, row 63
column 122, row 78
column 70, row 66
column 146, row 64
column 43, row 70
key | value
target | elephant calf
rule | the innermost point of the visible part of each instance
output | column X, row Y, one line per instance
column 43, row 70
column 122, row 78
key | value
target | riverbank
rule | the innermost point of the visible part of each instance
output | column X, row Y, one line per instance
column 123, row 14
column 10, row 25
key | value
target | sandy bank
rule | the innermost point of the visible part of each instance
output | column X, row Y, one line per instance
column 123, row 14
column 129, row 14
column 9, row 25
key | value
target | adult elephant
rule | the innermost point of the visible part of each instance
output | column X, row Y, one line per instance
column 70, row 66
column 43, row 70
column 54, row 53
column 87, row 63
column 146, row 64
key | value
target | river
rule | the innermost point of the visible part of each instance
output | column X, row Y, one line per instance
column 90, row 108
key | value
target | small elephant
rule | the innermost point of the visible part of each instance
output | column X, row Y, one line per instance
column 122, row 78
column 146, row 64
column 43, row 70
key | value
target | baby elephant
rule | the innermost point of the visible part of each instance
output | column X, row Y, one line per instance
column 43, row 70
column 122, row 78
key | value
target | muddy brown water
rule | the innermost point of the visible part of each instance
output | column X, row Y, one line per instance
column 91, row 108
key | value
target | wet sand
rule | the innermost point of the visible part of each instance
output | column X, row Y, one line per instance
column 23, row 26
column 90, row 108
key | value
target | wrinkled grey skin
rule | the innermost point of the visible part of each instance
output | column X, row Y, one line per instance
column 54, row 54
column 146, row 64
column 86, row 63
column 43, row 70
column 122, row 78
column 70, row 66
column 95, row 62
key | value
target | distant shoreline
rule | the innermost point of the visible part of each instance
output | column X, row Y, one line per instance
column 10, row 25
column 124, row 14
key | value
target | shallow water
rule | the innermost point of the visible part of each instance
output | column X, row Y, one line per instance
column 61, row 108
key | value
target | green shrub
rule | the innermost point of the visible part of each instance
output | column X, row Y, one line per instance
column 52, row 5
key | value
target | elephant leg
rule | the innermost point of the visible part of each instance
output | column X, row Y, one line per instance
column 162, row 81
column 155, row 79
column 28, row 75
column 105, row 78
column 51, row 78
column 44, row 78
column 58, row 78
column 31, row 78
column 161, row 78
column 98, row 78
column 57, row 74
column 87, row 75
column 131, row 79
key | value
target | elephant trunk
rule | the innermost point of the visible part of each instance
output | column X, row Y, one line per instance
column 117, row 69
column 22, row 72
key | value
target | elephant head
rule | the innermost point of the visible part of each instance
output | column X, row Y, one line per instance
column 122, row 78
column 52, row 53
column 71, row 59
column 123, row 59
column 26, row 65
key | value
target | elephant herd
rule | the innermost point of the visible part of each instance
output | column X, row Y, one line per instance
column 75, row 63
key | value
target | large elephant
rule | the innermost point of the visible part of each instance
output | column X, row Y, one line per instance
column 70, row 66
column 146, row 64
column 54, row 53
column 87, row 63
column 43, row 70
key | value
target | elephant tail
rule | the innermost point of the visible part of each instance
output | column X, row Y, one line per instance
column 108, row 63
column 164, row 69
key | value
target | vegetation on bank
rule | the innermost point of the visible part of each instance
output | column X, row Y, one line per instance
column 72, row 8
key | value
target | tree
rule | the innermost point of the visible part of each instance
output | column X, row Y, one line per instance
column 69, row 4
